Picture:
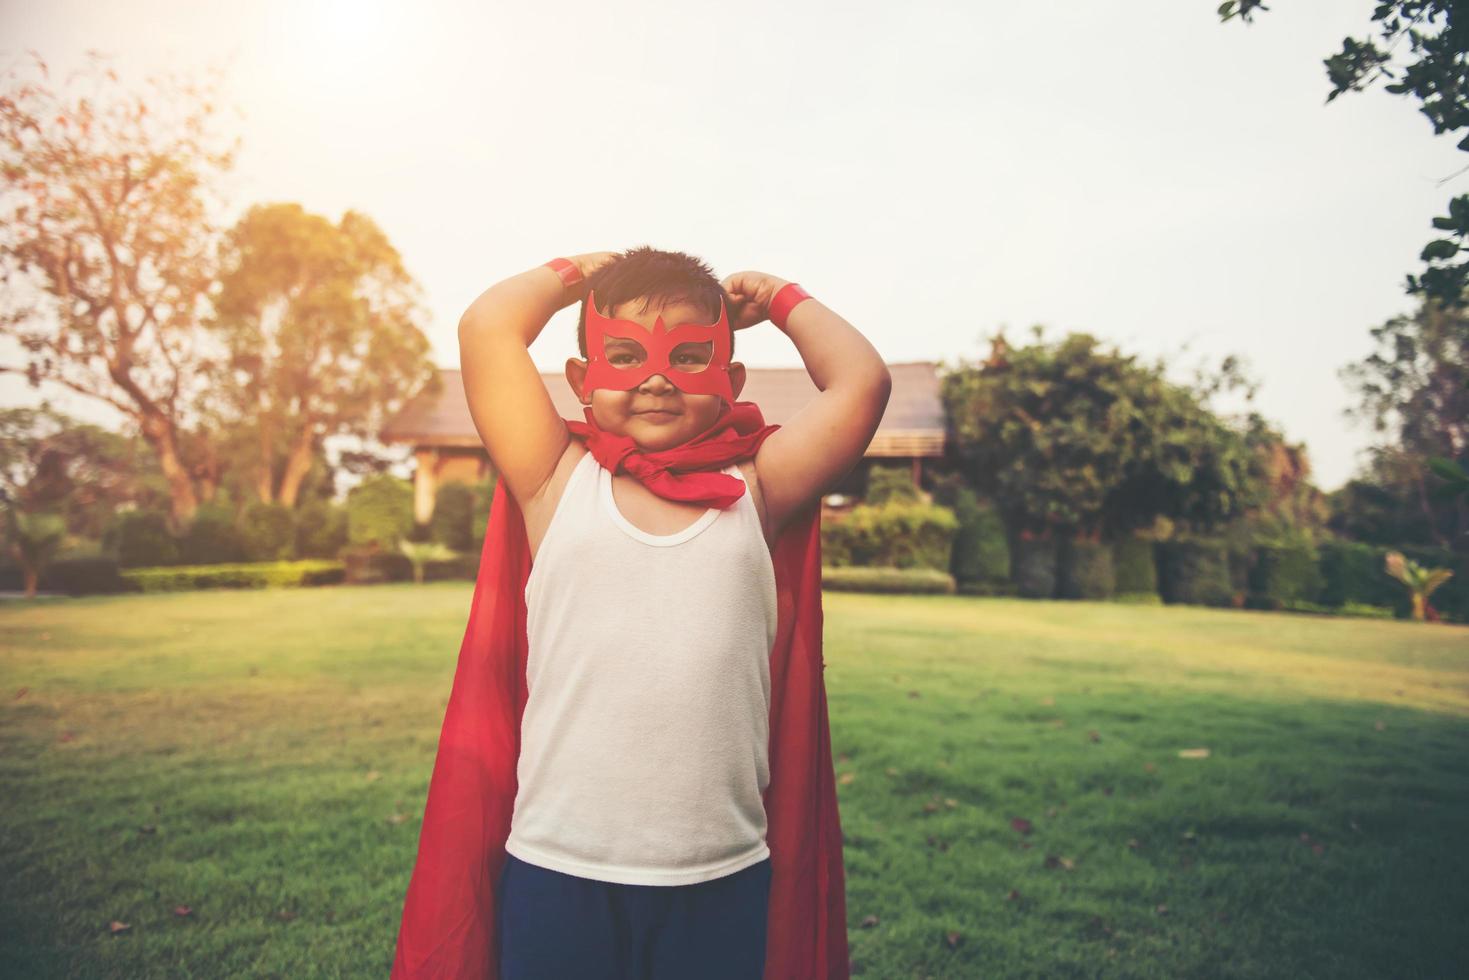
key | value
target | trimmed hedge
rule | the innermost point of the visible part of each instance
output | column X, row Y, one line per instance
column 252, row 575
column 1195, row 571
column 140, row 538
column 1281, row 574
column 453, row 522
column 980, row 552
column 269, row 531
column 886, row 579
column 380, row 511
column 212, row 537
column 75, row 576
column 1085, row 571
column 321, row 529
column 1135, row 566
column 897, row 534
column 1034, row 564
column 364, row 567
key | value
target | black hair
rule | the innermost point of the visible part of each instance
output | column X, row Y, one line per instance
column 651, row 275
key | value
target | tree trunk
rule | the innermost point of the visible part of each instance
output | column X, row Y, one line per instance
column 32, row 576
column 163, row 437
column 265, row 477
column 298, row 465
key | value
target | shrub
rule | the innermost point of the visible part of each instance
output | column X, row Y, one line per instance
column 1195, row 571
column 1354, row 573
column 321, row 529
column 887, row 483
column 460, row 567
column 254, row 575
column 380, row 511
column 1283, row 573
column 1034, row 562
column 141, row 537
column 364, row 566
column 1136, row 569
column 484, row 493
column 1138, row 598
column 896, row 534
column 980, row 552
column 75, row 576
column 1450, row 600
column 212, row 537
column 886, row 579
column 1084, row 570
column 453, row 521
column 269, row 531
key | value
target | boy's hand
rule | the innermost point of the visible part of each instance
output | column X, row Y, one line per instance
column 750, row 294
column 592, row 261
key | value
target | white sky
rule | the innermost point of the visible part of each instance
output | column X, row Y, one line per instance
column 932, row 171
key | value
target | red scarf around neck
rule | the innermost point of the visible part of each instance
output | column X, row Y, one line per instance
column 689, row 471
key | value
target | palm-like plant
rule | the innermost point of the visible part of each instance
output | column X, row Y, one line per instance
column 34, row 540
column 1421, row 582
column 420, row 553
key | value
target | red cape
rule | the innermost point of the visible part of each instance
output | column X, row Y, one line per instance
column 448, row 926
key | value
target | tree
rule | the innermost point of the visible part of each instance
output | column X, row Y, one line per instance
column 1438, row 35
column 106, row 250
column 34, row 540
column 321, row 322
column 1413, row 389
column 50, row 461
column 1075, row 439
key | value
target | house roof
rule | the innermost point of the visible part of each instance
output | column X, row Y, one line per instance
column 913, row 424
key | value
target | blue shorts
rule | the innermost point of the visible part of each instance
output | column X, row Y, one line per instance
column 553, row 925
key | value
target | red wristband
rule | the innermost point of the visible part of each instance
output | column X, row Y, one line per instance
column 785, row 300
column 566, row 269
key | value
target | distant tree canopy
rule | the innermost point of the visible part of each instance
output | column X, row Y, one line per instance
column 1413, row 390
column 321, row 325
column 106, row 257
column 234, row 356
column 1437, row 32
column 1073, row 439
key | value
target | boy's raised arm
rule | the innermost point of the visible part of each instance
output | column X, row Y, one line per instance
column 512, row 410
column 805, row 456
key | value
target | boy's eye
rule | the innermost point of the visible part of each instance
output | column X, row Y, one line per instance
column 693, row 356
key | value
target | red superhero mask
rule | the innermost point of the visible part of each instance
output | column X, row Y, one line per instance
column 694, row 357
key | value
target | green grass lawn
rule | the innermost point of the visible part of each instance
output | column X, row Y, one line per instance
column 262, row 758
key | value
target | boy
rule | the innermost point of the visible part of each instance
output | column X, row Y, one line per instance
column 656, row 700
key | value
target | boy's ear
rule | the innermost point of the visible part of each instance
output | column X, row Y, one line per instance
column 576, row 374
column 736, row 378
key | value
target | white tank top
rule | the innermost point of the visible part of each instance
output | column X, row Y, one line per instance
column 645, row 739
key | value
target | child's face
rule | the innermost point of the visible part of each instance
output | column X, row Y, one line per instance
column 655, row 414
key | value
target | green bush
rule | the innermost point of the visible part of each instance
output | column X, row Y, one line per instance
column 269, row 531
column 484, row 494
column 1084, row 570
column 1195, row 571
column 887, row 483
column 80, row 575
column 896, row 534
column 380, row 511
column 980, row 552
column 1136, row 568
column 1283, row 573
column 462, row 567
column 885, row 579
column 1138, row 598
column 253, row 575
column 453, row 520
column 141, row 538
column 212, row 537
column 364, row 566
column 321, row 529
column 1034, row 562
column 1353, row 572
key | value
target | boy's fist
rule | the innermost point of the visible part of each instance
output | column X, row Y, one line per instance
column 749, row 295
column 592, row 261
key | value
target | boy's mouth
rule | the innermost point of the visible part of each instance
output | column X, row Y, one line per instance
column 657, row 415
